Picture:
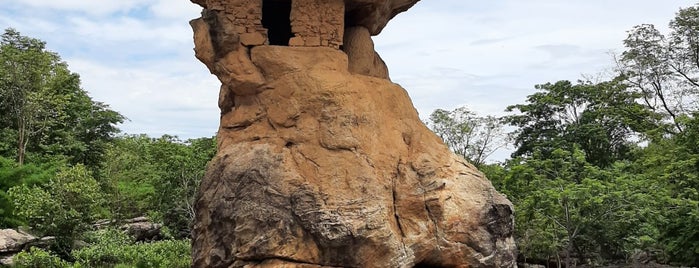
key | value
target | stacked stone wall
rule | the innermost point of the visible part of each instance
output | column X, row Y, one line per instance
column 317, row 23
column 246, row 15
column 314, row 23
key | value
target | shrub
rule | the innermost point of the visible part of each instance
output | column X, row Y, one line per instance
column 39, row 258
column 64, row 207
column 111, row 248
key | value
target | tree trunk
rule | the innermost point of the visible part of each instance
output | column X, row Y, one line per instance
column 21, row 140
column 569, row 248
column 558, row 260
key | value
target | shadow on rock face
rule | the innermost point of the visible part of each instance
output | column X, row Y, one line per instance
column 323, row 161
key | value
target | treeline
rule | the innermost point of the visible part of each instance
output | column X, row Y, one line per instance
column 64, row 165
column 602, row 172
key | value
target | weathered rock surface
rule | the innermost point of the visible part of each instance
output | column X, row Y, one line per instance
column 323, row 162
column 141, row 229
column 363, row 59
column 375, row 14
column 11, row 243
column 371, row 14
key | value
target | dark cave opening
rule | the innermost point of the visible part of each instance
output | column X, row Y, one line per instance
column 426, row 265
column 276, row 18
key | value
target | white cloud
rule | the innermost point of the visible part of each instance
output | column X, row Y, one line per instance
column 137, row 54
column 523, row 42
column 180, row 99
column 92, row 7
column 175, row 10
column 126, row 29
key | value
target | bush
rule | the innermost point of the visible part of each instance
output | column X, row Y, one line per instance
column 12, row 175
column 64, row 207
column 39, row 258
column 112, row 248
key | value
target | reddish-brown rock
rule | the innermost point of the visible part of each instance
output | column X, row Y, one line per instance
column 321, row 164
column 375, row 14
column 363, row 59
column 371, row 14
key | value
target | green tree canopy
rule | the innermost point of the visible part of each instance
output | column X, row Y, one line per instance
column 665, row 68
column 600, row 119
column 159, row 176
column 44, row 110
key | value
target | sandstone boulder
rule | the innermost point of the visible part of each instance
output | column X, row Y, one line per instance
column 13, row 242
column 324, row 162
column 334, row 169
column 141, row 229
column 363, row 59
column 375, row 14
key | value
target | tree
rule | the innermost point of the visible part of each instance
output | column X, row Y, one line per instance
column 601, row 119
column 127, row 176
column 157, row 176
column 576, row 195
column 573, row 212
column 674, row 164
column 683, row 48
column 182, row 166
column 474, row 138
column 43, row 107
column 558, row 205
column 665, row 69
column 25, row 67
column 646, row 67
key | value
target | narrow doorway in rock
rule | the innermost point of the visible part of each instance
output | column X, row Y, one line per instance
column 276, row 18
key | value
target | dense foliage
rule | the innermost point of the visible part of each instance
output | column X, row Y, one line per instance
column 45, row 113
column 156, row 177
column 63, row 207
column 605, row 172
column 112, row 248
column 28, row 175
column 602, row 172
column 63, row 166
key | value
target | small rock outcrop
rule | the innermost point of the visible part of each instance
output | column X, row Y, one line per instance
column 13, row 242
column 142, row 230
column 322, row 161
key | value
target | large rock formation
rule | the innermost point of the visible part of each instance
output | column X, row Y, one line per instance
column 322, row 161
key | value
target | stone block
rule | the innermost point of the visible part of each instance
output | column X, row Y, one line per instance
column 253, row 39
column 297, row 42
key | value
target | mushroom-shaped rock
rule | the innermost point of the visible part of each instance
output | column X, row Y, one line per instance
column 322, row 161
column 375, row 14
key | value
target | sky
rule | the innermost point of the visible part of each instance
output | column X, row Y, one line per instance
column 137, row 55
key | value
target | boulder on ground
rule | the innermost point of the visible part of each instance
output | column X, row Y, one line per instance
column 141, row 229
column 13, row 242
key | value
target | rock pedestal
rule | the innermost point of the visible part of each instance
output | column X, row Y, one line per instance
column 324, row 162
